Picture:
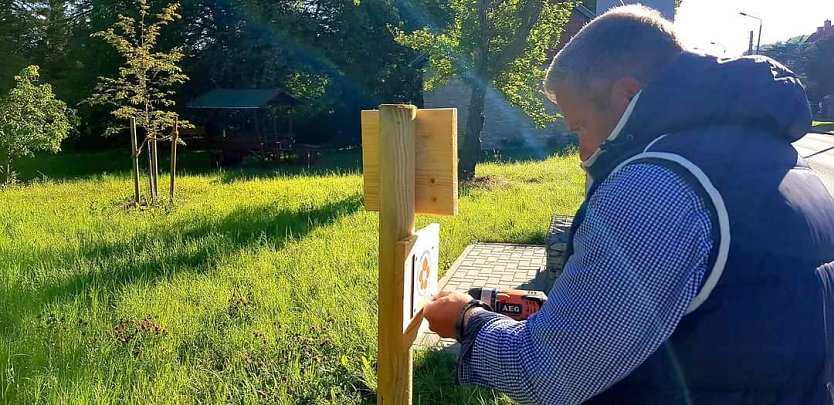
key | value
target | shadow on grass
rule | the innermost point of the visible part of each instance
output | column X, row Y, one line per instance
column 525, row 152
column 342, row 161
column 70, row 165
column 568, row 146
column 434, row 382
column 175, row 247
column 187, row 246
column 84, row 165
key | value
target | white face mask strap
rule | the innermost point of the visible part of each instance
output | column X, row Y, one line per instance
column 616, row 132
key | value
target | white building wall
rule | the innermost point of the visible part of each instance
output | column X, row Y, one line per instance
column 504, row 124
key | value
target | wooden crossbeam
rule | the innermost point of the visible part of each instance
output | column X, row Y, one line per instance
column 435, row 161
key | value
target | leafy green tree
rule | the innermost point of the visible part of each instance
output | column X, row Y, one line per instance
column 792, row 53
column 143, row 88
column 346, row 45
column 820, row 68
column 31, row 119
column 492, row 44
column 38, row 31
column 16, row 40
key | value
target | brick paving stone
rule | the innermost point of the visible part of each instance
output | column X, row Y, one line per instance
column 491, row 265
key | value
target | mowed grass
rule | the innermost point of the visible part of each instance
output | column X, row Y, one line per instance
column 825, row 126
column 249, row 289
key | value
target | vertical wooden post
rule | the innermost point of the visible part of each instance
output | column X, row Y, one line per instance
column 155, row 169
column 135, row 158
column 396, row 223
column 149, row 147
column 174, row 138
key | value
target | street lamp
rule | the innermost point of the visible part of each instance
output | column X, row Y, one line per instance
column 721, row 45
column 760, row 29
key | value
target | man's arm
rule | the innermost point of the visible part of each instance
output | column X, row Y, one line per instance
column 640, row 257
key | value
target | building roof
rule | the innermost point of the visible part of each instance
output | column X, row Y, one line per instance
column 821, row 32
column 239, row 99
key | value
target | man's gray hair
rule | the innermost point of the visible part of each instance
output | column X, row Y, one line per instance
column 631, row 40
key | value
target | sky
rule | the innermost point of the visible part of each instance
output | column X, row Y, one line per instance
column 700, row 22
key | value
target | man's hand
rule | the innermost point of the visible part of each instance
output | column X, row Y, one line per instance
column 442, row 312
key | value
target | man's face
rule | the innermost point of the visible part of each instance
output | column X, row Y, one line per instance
column 593, row 121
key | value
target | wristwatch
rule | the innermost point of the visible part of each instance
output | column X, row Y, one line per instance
column 459, row 323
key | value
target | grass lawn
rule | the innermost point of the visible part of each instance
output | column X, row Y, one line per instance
column 823, row 126
column 253, row 287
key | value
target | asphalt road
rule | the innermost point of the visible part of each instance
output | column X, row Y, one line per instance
column 818, row 151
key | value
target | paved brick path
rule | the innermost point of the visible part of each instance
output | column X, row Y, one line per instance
column 497, row 265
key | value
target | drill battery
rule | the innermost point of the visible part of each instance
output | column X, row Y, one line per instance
column 516, row 304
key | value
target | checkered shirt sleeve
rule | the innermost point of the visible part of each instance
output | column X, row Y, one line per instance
column 640, row 257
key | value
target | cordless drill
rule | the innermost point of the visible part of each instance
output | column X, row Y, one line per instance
column 517, row 304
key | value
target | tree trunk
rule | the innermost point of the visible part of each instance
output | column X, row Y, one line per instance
column 471, row 151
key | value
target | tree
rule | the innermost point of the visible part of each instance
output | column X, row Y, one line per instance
column 792, row 53
column 820, row 68
column 31, row 119
column 143, row 87
column 345, row 45
column 343, row 50
column 491, row 43
column 16, row 40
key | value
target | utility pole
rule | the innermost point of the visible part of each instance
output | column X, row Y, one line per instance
column 759, row 42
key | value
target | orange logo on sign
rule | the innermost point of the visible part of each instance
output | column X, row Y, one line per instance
column 423, row 276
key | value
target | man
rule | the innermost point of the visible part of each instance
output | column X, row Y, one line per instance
column 697, row 269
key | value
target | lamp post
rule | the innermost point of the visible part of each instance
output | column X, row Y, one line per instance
column 724, row 47
column 759, row 42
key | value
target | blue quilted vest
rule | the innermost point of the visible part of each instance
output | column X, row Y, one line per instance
column 757, row 332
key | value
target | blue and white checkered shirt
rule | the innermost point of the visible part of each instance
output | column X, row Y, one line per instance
column 640, row 257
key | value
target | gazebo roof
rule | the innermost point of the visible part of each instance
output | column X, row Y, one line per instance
column 240, row 99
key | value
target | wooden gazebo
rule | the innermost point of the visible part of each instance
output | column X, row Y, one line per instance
column 235, row 123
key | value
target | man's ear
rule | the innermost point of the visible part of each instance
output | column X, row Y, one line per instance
column 627, row 87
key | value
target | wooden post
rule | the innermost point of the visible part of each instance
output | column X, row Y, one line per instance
column 409, row 160
column 174, row 138
column 155, row 148
column 435, row 161
column 396, row 223
column 135, row 159
column 149, row 147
